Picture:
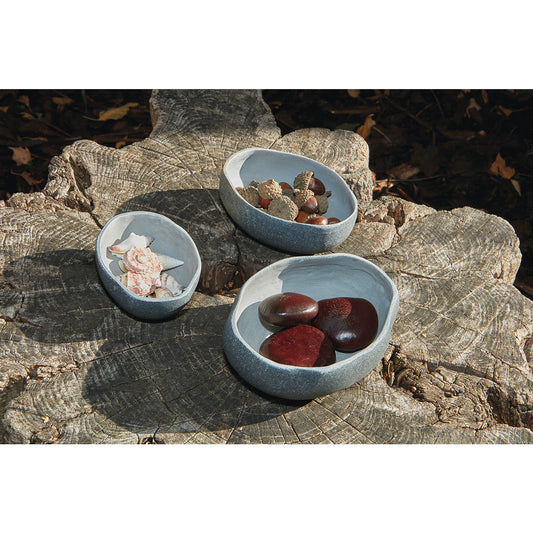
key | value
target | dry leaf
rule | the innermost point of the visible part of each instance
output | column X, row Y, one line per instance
column 499, row 168
column 516, row 185
column 4, row 108
column 116, row 113
column 504, row 110
column 62, row 101
column 403, row 171
column 24, row 100
column 28, row 177
column 120, row 144
column 21, row 155
column 27, row 115
column 354, row 93
column 472, row 106
column 484, row 96
column 365, row 129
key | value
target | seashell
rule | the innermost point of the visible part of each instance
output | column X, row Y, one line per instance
column 170, row 283
column 133, row 241
column 168, row 262
column 139, row 284
column 162, row 292
column 142, row 260
column 122, row 266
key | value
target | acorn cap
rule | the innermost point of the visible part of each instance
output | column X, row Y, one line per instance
column 269, row 189
column 301, row 196
column 250, row 194
column 302, row 180
column 283, row 207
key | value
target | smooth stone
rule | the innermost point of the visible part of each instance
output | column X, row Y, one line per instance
column 351, row 323
column 300, row 345
column 288, row 309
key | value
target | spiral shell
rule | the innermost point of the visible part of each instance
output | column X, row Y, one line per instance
column 142, row 260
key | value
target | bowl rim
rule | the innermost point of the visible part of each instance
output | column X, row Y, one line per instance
column 293, row 223
column 338, row 365
column 191, row 287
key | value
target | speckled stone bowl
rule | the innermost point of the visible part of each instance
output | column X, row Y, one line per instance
column 320, row 277
column 262, row 164
column 170, row 239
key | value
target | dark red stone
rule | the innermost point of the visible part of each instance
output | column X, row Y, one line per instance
column 351, row 323
column 288, row 309
column 300, row 345
column 317, row 221
column 316, row 186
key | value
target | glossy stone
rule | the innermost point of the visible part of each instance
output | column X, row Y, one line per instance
column 351, row 323
column 288, row 309
column 300, row 345
column 317, row 221
column 316, row 186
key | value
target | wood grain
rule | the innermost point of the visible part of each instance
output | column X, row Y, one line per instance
column 76, row 369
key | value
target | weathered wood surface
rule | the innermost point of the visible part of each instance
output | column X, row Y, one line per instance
column 74, row 368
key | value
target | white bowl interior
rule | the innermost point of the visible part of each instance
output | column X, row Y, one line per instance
column 169, row 239
column 328, row 277
column 261, row 165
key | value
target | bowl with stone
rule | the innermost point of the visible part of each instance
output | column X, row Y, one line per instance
column 287, row 201
column 148, row 264
column 305, row 327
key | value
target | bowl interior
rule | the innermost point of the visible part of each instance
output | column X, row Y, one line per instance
column 262, row 164
column 319, row 277
column 169, row 239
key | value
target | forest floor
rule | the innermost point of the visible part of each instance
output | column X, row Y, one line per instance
column 442, row 148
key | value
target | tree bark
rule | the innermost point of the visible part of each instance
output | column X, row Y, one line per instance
column 74, row 368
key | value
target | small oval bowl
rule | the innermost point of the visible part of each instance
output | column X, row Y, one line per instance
column 320, row 277
column 262, row 164
column 169, row 239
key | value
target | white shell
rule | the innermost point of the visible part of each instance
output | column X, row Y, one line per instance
column 168, row 262
column 170, row 283
column 162, row 292
column 133, row 241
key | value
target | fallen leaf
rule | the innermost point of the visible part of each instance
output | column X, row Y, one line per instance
column 516, row 184
column 471, row 107
column 27, row 177
column 27, row 115
column 403, row 171
column 365, row 129
column 499, row 168
column 120, row 144
column 21, row 155
column 116, row 113
column 484, row 96
column 24, row 100
column 4, row 108
column 62, row 101
column 354, row 93
column 504, row 110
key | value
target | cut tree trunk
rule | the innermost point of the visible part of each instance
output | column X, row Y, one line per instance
column 74, row 368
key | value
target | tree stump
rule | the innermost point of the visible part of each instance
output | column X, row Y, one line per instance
column 74, row 368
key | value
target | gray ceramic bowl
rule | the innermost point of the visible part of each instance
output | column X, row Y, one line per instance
column 170, row 239
column 262, row 164
column 320, row 277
